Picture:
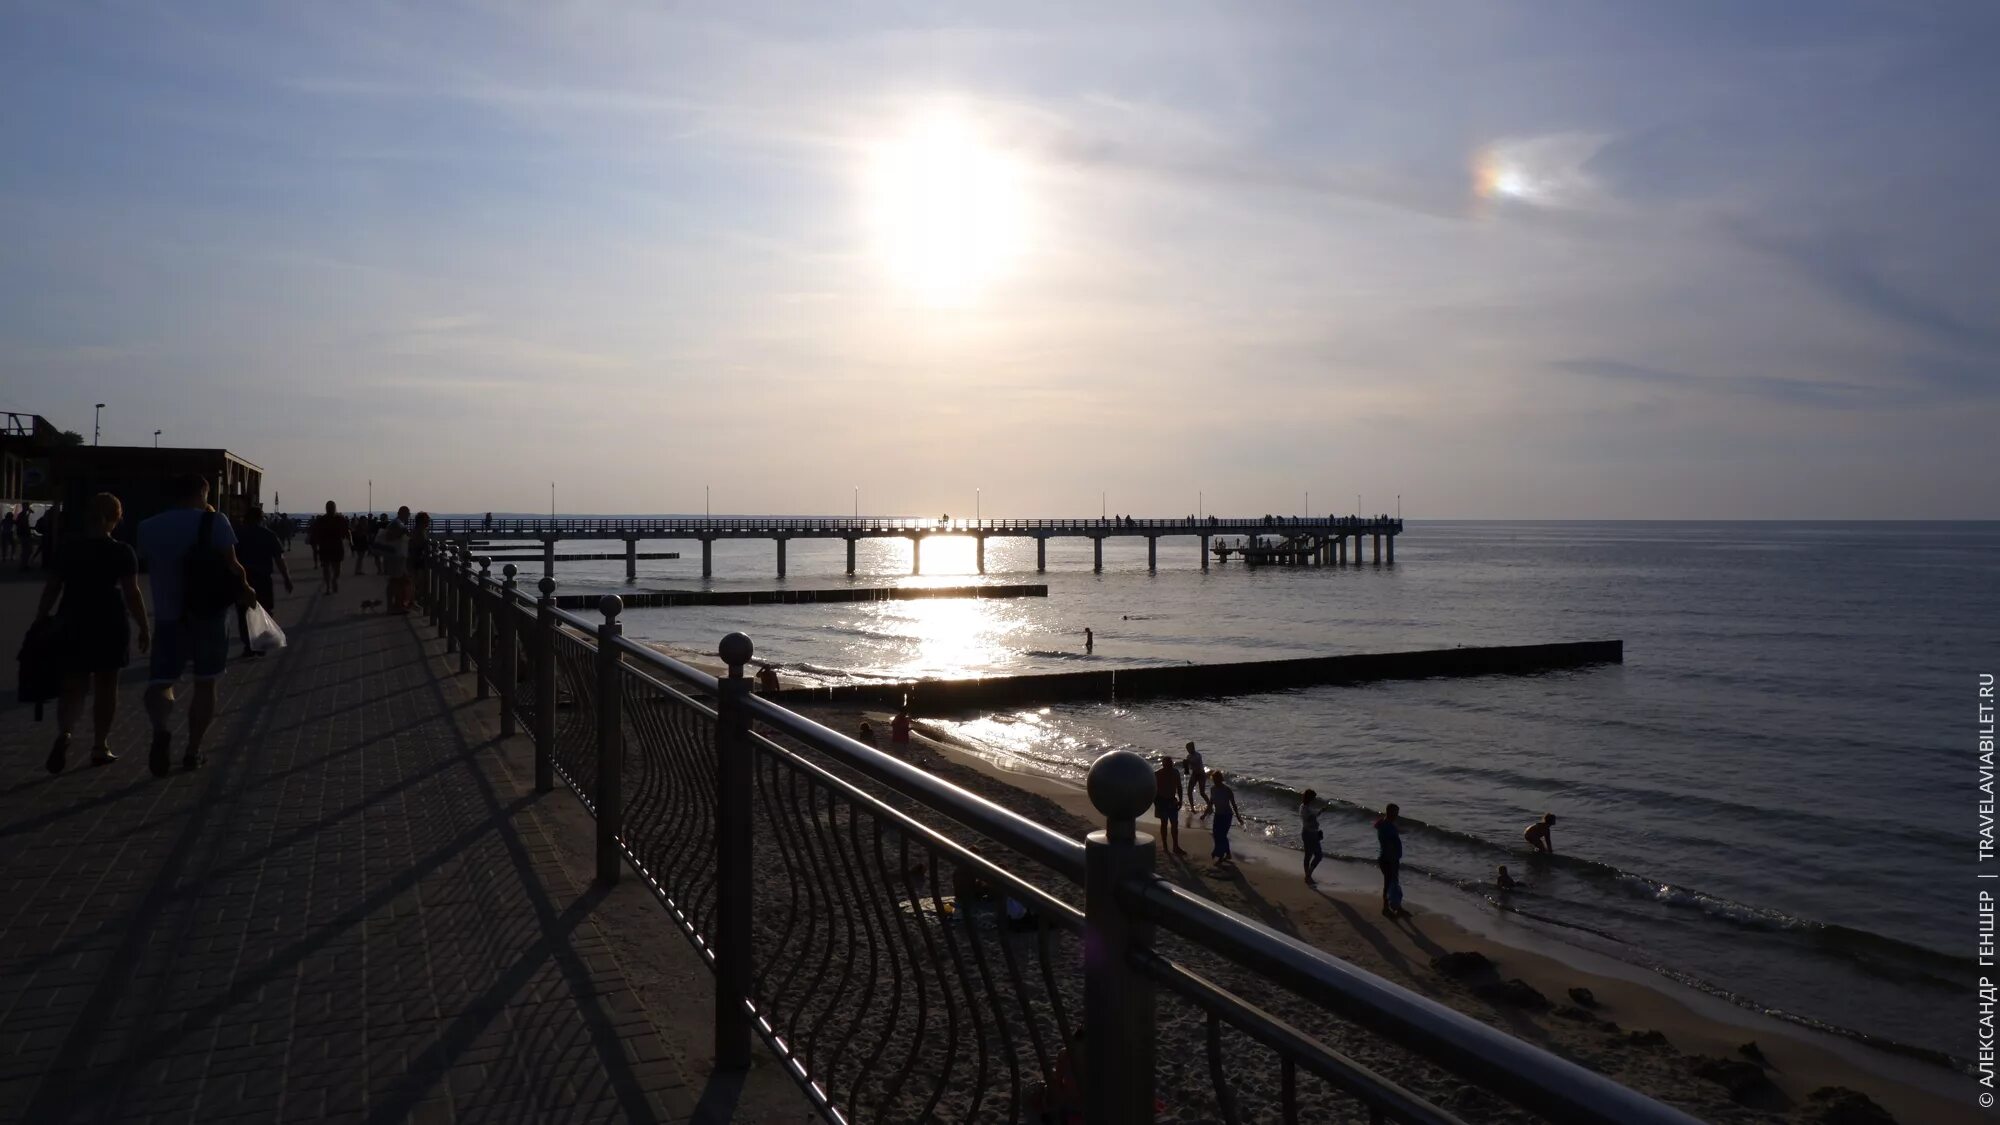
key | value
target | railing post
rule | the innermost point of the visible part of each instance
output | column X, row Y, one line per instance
column 1117, row 998
column 448, row 603
column 545, row 686
column 610, row 741
column 508, row 665
column 463, row 625
column 732, row 856
column 482, row 630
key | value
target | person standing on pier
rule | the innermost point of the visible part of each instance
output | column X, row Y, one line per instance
column 1309, row 830
column 1197, row 780
column 1167, row 804
column 1389, row 840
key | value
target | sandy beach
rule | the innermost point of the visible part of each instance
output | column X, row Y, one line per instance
column 1672, row 1042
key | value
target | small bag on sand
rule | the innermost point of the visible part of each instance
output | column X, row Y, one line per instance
column 265, row 635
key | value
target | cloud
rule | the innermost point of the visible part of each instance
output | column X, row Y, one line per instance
column 1932, row 382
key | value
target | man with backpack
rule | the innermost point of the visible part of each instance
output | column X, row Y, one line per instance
column 190, row 552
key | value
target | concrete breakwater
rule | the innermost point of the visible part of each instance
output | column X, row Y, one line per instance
column 945, row 697
column 651, row 599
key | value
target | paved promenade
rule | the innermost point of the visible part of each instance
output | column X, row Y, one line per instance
column 358, row 910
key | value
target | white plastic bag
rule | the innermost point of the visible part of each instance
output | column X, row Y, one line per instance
column 264, row 632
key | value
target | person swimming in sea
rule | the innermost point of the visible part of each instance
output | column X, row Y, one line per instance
column 1537, row 834
column 1505, row 881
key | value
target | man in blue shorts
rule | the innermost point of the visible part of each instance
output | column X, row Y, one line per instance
column 190, row 553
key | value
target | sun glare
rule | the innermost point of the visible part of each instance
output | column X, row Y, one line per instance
column 947, row 210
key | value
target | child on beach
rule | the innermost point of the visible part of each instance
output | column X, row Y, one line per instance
column 1505, row 881
column 1226, row 813
column 1309, row 830
column 1537, row 834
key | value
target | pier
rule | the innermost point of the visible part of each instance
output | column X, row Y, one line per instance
column 657, row 599
column 1329, row 536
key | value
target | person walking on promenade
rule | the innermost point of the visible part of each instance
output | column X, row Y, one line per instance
column 1197, row 780
column 1167, row 804
column 1389, row 841
column 392, row 549
column 1226, row 814
column 329, row 534
column 1089, row 640
column 420, row 548
column 97, row 582
column 1310, row 832
column 361, row 535
column 1537, row 835
column 258, row 549
column 191, row 557
column 7, row 535
column 48, row 530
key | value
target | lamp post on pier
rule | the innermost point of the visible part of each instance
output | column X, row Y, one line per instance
column 857, row 501
column 975, row 507
column 97, row 424
column 156, row 439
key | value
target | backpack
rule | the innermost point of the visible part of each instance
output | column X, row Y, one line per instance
column 209, row 587
column 41, row 664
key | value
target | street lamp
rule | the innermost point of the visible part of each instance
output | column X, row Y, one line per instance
column 975, row 506
column 857, row 501
column 97, row 424
column 156, row 439
column 1399, row 505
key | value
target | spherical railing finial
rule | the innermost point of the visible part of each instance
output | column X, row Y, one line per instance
column 510, row 570
column 485, row 564
column 1120, row 784
column 735, row 650
column 547, row 586
column 610, row 605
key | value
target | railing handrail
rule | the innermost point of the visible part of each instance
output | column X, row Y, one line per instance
column 1525, row 1074
column 1037, row 841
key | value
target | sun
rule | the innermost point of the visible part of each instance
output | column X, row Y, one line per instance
column 947, row 210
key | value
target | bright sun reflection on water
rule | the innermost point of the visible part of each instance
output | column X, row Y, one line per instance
column 951, row 637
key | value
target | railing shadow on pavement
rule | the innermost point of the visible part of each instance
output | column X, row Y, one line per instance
column 857, row 923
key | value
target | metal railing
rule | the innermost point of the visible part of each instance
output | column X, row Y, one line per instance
column 648, row 527
column 911, row 951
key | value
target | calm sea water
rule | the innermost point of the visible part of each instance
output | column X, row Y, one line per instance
column 1770, row 798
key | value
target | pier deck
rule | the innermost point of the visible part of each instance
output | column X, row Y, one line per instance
column 360, row 910
column 1331, row 534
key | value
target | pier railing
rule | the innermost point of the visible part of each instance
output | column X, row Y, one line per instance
column 911, row 951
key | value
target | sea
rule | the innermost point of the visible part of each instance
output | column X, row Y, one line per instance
column 1773, row 799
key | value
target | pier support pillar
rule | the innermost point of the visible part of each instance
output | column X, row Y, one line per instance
column 1041, row 553
column 1152, row 552
column 851, row 541
column 1392, row 550
column 781, row 558
column 548, row 558
column 1378, row 550
column 1204, row 552
column 631, row 560
column 1340, row 550
column 979, row 552
column 916, row 554
column 708, row 558
column 1097, row 550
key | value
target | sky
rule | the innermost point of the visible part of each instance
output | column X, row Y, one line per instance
column 1512, row 261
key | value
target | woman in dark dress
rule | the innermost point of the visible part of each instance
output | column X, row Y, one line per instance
column 96, row 581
